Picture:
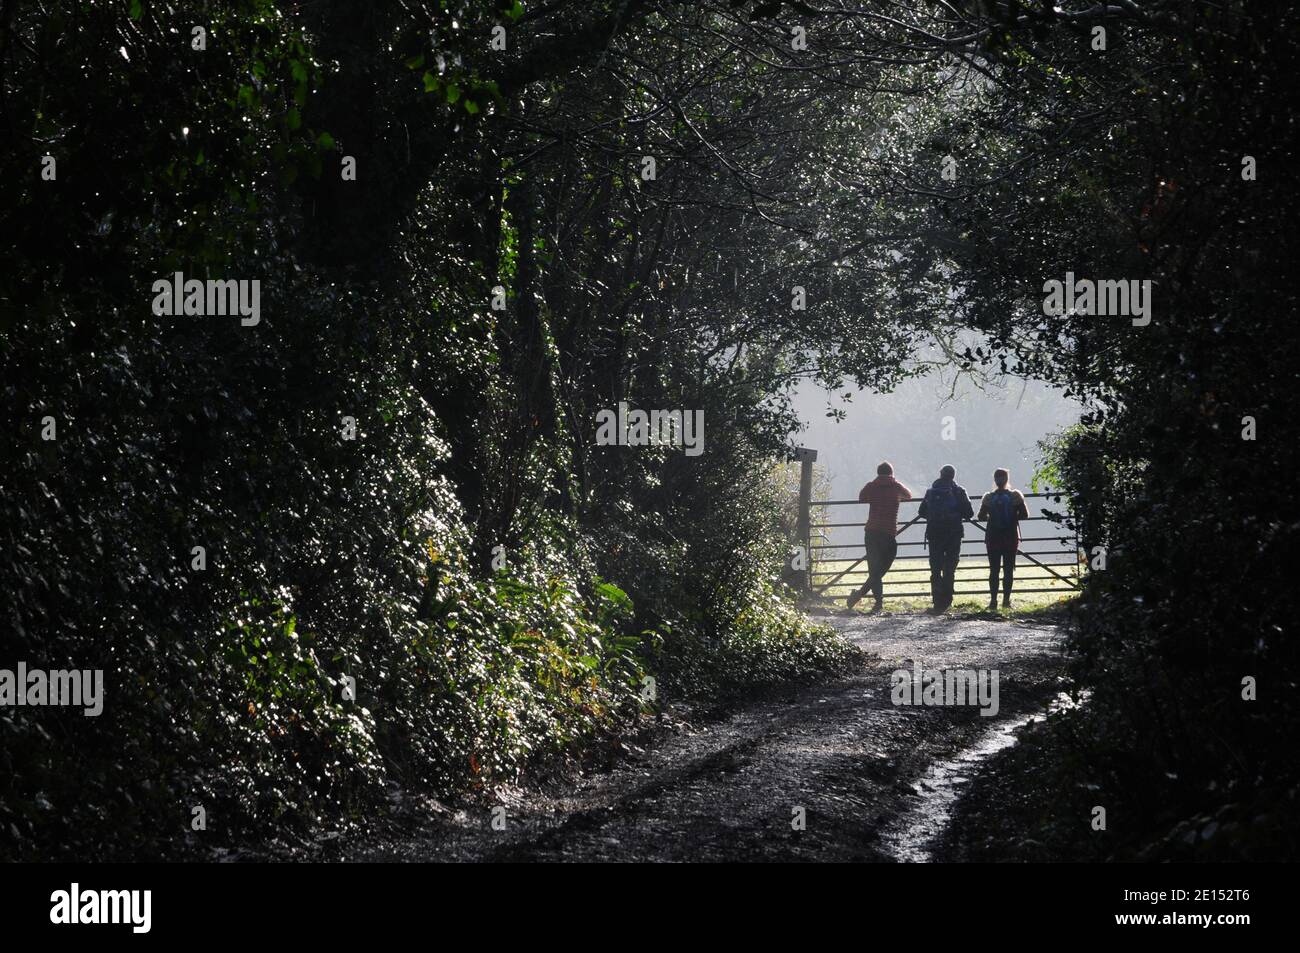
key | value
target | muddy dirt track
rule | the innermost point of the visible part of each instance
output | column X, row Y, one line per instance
column 874, row 780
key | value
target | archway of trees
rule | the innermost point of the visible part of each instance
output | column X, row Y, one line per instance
column 475, row 227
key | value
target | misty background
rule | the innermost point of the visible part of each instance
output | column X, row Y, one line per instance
column 996, row 423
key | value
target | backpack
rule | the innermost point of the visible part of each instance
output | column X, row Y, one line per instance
column 941, row 505
column 1002, row 512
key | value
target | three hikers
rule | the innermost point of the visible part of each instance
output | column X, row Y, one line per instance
column 884, row 493
column 945, row 508
column 1003, row 508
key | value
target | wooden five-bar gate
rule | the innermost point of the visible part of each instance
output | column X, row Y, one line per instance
column 1048, row 561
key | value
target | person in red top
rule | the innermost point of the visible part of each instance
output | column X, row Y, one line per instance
column 884, row 493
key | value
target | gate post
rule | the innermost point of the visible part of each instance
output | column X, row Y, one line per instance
column 803, row 527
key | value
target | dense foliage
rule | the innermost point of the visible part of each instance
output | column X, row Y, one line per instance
column 405, row 528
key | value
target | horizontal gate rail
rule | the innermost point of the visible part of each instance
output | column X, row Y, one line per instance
column 890, row 594
column 860, row 522
column 920, row 542
column 926, row 568
column 1057, row 497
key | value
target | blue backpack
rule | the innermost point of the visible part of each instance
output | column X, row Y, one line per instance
column 941, row 505
column 1002, row 512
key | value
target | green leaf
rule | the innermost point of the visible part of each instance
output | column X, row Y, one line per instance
column 453, row 93
column 471, row 107
column 430, row 82
column 137, row 10
column 295, row 117
column 325, row 141
column 613, row 593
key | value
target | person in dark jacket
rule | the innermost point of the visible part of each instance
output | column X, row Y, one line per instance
column 945, row 509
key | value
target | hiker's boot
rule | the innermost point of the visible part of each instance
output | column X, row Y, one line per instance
column 993, row 602
column 879, row 606
column 1006, row 600
column 855, row 597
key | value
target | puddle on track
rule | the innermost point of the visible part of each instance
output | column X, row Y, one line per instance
column 910, row 837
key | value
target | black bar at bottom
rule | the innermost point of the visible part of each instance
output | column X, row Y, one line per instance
column 1248, row 904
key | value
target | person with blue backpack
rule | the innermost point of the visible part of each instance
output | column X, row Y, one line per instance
column 945, row 509
column 1003, row 507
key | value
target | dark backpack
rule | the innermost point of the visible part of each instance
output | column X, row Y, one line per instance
column 941, row 505
column 1002, row 512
